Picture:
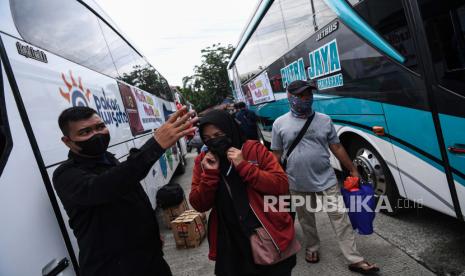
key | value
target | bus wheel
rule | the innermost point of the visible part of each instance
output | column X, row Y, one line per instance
column 372, row 168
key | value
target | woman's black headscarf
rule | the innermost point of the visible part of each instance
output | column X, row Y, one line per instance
column 239, row 205
column 229, row 126
column 226, row 123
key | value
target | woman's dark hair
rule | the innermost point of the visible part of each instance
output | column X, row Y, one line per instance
column 74, row 114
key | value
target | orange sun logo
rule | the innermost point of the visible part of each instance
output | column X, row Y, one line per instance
column 76, row 94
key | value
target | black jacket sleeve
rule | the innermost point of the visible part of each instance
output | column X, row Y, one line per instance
column 81, row 187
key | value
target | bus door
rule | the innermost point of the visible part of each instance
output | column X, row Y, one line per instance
column 444, row 33
column 33, row 239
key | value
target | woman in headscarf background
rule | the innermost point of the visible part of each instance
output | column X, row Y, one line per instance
column 231, row 178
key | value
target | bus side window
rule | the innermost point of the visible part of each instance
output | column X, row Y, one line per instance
column 131, row 66
column 168, row 94
column 444, row 23
column 387, row 17
column 126, row 59
column 65, row 28
column 250, row 62
column 303, row 18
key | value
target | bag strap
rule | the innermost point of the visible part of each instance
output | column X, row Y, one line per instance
column 298, row 138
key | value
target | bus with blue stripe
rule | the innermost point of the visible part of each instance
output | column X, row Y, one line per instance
column 390, row 73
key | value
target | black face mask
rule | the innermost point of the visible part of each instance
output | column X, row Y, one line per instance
column 219, row 145
column 95, row 145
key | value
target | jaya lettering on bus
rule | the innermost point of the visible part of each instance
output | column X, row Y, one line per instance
column 109, row 110
column 324, row 60
column 292, row 72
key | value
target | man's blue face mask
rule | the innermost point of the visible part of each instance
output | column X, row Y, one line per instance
column 301, row 108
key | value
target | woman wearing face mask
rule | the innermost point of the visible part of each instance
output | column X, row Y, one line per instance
column 231, row 179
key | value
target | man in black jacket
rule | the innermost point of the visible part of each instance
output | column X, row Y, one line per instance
column 248, row 120
column 109, row 212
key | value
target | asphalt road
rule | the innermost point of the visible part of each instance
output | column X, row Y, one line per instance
column 435, row 240
column 416, row 242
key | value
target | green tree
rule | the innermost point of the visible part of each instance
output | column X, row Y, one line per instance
column 148, row 79
column 209, row 84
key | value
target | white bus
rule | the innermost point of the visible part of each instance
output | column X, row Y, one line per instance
column 56, row 54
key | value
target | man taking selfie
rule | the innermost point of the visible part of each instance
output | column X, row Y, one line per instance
column 109, row 211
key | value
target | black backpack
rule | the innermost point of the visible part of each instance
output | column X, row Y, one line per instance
column 170, row 195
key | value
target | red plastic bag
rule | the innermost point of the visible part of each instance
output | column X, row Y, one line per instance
column 351, row 184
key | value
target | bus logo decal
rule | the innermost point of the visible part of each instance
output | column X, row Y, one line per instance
column 327, row 31
column 323, row 61
column 30, row 52
column 76, row 94
column 110, row 110
column 330, row 82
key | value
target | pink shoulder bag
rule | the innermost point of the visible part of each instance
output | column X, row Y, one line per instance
column 264, row 249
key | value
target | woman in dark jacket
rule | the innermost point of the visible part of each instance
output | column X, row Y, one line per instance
column 231, row 179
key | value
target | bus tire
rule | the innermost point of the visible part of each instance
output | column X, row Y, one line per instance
column 373, row 168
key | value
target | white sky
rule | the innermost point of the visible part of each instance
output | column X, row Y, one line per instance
column 171, row 33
